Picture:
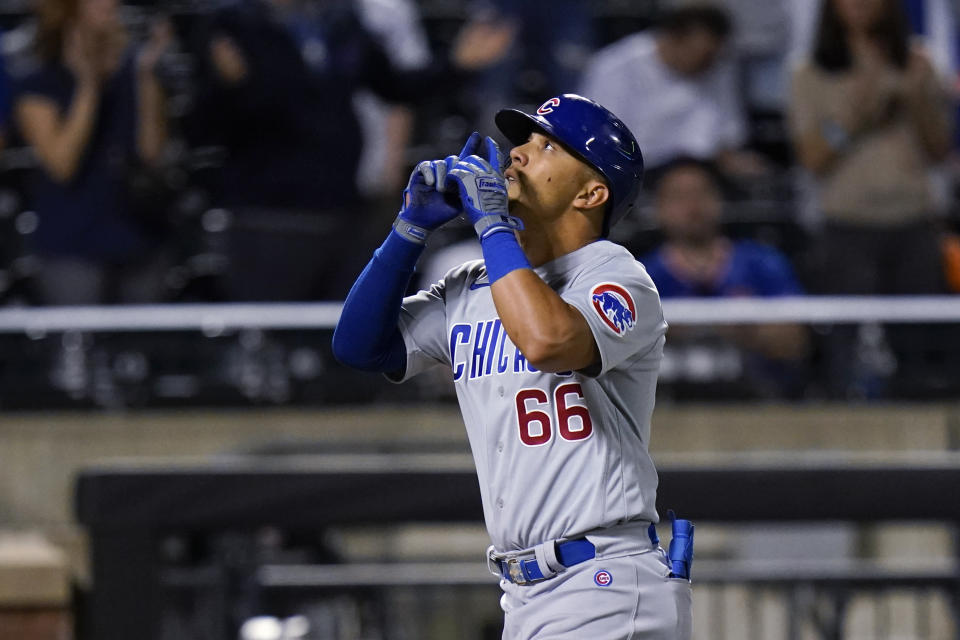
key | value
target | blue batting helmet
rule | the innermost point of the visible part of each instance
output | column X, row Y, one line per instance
column 593, row 134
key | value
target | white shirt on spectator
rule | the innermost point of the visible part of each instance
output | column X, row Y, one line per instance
column 669, row 114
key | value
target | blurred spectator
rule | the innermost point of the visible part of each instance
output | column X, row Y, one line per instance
column 761, row 42
column 932, row 22
column 555, row 39
column 935, row 22
column 868, row 119
column 94, row 112
column 396, row 26
column 951, row 258
column 452, row 248
column 6, row 97
column 675, row 91
column 697, row 260
column 277, row 93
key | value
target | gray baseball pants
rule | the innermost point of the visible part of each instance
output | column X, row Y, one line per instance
column 628, row 597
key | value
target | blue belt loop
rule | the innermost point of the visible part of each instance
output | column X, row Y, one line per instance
column 652, row 533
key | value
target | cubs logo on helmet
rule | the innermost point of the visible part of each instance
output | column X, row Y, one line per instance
column 615, row 307
column 547, row 107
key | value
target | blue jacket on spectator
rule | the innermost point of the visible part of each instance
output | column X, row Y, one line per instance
column 753, row 270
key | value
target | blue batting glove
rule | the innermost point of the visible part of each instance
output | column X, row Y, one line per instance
column 483, row 191
column 424, row 206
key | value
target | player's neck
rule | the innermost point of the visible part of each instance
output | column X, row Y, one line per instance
column 544, row 242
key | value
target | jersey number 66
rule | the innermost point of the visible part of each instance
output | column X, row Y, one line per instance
column 533, row 408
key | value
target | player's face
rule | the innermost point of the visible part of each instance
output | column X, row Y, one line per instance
column 688, row 205
column 696, row 51
column 543, row 178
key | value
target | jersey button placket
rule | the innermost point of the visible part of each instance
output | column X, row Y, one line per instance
column 500, row 503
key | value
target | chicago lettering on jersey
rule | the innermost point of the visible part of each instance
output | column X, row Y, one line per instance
column 483, row 349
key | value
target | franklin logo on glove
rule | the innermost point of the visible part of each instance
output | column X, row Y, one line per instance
column 491, row 185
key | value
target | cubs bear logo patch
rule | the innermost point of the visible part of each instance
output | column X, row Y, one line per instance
column 615, row 306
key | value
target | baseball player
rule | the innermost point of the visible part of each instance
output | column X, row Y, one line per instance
column 554, row 341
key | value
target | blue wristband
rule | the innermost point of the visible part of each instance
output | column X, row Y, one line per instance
column 502, row 254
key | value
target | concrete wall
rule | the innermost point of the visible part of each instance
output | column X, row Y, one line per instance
column 40, row 453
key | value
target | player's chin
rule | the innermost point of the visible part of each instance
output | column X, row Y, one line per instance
column 513, row 192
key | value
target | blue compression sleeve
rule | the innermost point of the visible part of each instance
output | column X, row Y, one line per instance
column 502, row 254
column 367, row 337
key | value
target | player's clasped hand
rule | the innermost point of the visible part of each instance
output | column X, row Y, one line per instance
column 424, row 206
column 483, row 191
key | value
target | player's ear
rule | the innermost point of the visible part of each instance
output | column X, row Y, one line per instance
column 593, row 194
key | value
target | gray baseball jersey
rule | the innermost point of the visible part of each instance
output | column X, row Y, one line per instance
column 557, row 454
